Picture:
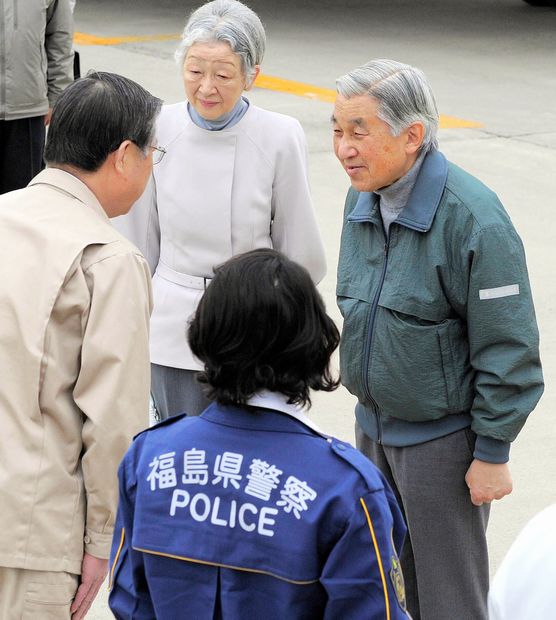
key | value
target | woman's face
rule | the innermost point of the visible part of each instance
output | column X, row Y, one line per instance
column 213, row 78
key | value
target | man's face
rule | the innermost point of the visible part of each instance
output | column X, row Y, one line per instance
column 372, row 157
column 138, row 167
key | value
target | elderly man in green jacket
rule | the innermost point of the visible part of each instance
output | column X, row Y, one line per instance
column 440, row 343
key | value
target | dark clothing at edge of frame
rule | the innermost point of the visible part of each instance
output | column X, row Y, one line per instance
column 36, row 65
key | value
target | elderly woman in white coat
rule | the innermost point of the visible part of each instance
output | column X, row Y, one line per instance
column 233, row 178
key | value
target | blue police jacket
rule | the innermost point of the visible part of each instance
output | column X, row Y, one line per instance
column 250, row 513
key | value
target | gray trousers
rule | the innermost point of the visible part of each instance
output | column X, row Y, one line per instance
column 444, row 558
column 176, row 390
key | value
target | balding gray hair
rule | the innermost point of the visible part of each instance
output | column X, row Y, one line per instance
column 94, row 115
column 226, row 21
column 402, row 92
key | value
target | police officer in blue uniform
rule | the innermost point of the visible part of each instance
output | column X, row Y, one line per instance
column 248, row 511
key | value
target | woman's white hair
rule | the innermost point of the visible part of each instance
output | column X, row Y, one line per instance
column 226, row 21
column 403, row 94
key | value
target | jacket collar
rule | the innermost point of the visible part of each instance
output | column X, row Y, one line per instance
column 66, row 182
column 419, row 212
column 279, row 402
column 263, row 413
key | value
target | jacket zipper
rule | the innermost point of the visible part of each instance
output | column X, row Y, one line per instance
column 368, row 340
column 2, row 59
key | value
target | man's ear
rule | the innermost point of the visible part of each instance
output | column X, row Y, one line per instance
column 415, row 137
column 121, row 155
column 249, row 84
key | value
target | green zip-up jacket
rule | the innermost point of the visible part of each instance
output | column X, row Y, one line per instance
column 439, row 319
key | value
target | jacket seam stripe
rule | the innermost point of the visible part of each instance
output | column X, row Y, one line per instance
column 248, row 570
column 112, row 570
column 378, row 557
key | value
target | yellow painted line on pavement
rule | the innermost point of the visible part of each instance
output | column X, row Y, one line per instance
column 295, row 88
column 328, row 95
column 81, row 38
column 452, row 122
column 267, row 82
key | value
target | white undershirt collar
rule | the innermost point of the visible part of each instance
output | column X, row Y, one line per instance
column 279, row 402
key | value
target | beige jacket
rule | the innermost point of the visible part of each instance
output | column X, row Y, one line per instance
column 74, row 374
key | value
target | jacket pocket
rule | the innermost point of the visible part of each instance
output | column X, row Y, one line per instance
column 418, row 369
column 352, row 346
column 51, row 597
column 26, row 75
column 458, row 374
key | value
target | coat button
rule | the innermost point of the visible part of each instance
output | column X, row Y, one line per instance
column 87, row 540
column 341, row 446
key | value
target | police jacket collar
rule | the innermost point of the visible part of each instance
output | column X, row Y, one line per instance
column 423, row 202
column 273, row 402
column 279, row 402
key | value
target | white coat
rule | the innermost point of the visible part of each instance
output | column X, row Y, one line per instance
column 214, row 195
column 523, row 587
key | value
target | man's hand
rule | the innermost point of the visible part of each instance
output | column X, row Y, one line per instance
column 93, row 572
column 488, row 481
column 47, row 117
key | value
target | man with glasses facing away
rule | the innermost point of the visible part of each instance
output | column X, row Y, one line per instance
column 75, row 301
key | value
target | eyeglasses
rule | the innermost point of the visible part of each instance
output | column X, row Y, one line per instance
column 158, row 154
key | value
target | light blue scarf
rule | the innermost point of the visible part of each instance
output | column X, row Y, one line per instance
column 227, row 120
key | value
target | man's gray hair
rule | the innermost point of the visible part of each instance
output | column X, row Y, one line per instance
column 226, row 21
column 403, row 94
column 94, row 115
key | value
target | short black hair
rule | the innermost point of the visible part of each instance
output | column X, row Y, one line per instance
column 94, row 115
column 262, row 325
